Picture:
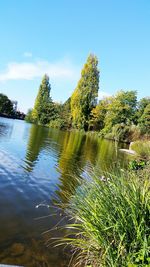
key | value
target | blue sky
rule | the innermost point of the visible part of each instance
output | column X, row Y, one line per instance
column 38, row 36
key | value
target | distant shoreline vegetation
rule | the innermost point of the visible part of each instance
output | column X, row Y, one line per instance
column 17, row 116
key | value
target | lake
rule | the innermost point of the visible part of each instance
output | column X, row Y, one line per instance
column 36, row 165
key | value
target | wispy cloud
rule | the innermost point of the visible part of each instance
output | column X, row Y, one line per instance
column 27, row 54
column 32, row 70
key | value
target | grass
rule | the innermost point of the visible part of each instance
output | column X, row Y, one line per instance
column 111, row 220
column 142, row 148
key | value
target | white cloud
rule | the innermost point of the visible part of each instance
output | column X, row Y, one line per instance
column 32, row 70
column 103, row 94
column 27, row 54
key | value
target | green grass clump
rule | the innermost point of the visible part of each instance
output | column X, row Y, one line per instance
column 142, row 148
column 111, row 216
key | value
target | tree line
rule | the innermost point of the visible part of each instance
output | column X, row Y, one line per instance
column 116, row 117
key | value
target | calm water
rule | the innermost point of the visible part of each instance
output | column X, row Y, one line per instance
column 36, row 165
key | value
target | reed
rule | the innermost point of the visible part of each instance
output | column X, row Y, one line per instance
column 111, row 220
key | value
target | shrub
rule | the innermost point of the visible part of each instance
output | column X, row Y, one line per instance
column 59, row 123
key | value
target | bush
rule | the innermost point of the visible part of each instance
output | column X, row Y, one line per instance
column 59, row 123
column 111, row 221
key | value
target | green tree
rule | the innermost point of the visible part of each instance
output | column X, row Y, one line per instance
column 144, row 121
column 6, row 106
column 62, row 118
column 122, row 109
column 66, row 114
column 85, row 95
column 142, row 105
column 44, row 109
column 28, row 117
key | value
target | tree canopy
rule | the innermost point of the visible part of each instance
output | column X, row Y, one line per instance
column 43, row 110
column 142, row 105
column 6, row 106
column 122, row 109
column 144, row 121
column 84, row 97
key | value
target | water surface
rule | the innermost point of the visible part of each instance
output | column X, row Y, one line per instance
column 36, row 165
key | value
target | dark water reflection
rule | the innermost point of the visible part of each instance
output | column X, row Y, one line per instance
column 36, row 164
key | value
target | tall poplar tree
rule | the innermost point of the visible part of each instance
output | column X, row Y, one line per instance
column 43, row 109
column 85, row 95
